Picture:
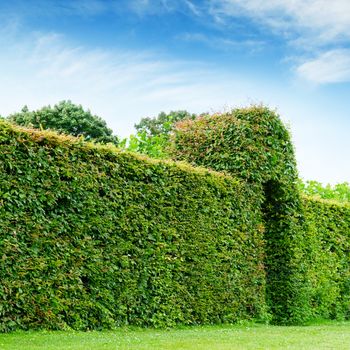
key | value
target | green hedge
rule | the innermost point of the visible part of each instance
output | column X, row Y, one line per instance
column 254, row 145
column 92, row 237
column 307, row 245
column 329, row 257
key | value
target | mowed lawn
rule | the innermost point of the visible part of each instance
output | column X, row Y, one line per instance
column 330, row 335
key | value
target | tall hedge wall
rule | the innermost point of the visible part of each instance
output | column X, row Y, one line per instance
column 254, row 145
column 329, row 257
column 93, row 237
column 307, row 241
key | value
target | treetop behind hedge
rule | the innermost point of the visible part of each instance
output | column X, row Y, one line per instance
column 66, row 117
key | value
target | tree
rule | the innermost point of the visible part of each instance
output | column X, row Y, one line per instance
column 163, row 123
column 340, row 192
column 153, row 146
column 152, row 136
column 67, row 118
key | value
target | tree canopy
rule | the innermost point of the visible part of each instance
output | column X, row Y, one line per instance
column 152, row 136
column 67, row 118
column 339, row 192
column 163, row 123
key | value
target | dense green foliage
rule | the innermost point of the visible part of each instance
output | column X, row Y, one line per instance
column 307, row 241
column 92, row 237
column 339, row 192
column 152, row 136
column 152, row 146
column 253, row 144
column 163, row 123
column 329, row 257
column 67, row 118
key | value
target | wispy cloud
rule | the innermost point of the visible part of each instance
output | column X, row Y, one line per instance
column 322, row 20
column 330, row 67
column 120, row 85
column 193, row 8
column 316, row 28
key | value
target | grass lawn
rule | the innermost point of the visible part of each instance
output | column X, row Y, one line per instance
column 330, row 335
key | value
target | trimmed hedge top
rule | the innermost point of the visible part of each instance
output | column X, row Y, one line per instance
column 251, row 143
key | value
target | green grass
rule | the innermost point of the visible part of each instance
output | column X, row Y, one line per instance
column 330, row 335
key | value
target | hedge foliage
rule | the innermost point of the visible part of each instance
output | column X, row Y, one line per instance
column 254, row 145
column 339, row 192
column 92, row 237
column 307, row 246
column 329, row 257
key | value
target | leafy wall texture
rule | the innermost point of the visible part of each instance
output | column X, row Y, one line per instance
column 93, row 237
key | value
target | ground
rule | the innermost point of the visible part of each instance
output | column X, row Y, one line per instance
column 325, row 335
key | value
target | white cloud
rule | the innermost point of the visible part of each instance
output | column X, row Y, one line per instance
column 323, row 21
column 193, row 8
column 119, row 85
column 318, row 28
column 329, row 67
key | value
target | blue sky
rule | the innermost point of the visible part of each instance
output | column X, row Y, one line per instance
column 128, row 59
